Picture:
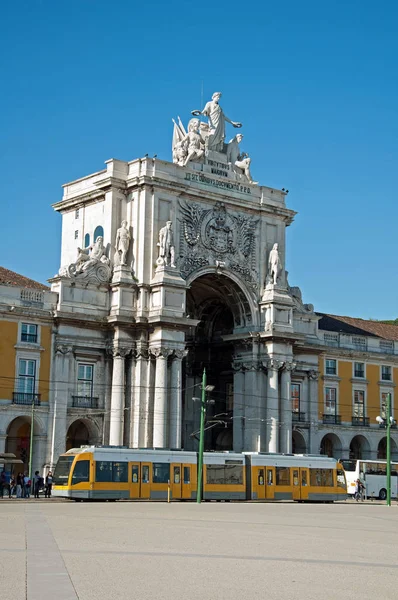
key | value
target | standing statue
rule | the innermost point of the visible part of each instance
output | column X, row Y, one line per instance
column 122, row 243
column 274, row 265
column 240, row 161
column 217, row 120
column 166, row 246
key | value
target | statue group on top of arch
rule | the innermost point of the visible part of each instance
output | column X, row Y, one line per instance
column 206, row 141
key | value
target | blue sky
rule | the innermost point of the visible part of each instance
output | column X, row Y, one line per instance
column 315, row 85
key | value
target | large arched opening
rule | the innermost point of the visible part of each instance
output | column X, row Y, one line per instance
column 298, row 443
column 359, row 448
column 382, row 449
column 223, row 308
column 331, row 445
column 18, row 440
column 78, row 434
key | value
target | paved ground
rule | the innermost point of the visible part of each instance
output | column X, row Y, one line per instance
column 153, row 551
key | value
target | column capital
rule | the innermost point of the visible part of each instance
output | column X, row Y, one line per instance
column 289, row 366
column 161, row 352
column 275, row 364
column 63, row 349
column 180, row 354
column 237, row 365
column 313, row 375
column 118, row 351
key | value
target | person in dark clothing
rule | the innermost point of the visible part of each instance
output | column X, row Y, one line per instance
column 49, row 484
column 36, row 484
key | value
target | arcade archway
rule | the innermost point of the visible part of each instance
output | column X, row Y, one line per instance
column 298, row 443
column 331, row 445
column 18, row 440
column 78, row 435
column 359, row 448
column 382, row 449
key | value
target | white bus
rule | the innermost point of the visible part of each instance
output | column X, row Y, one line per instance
column 372, row 473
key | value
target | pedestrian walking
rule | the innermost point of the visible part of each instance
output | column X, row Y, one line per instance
column 19, row 485
column 36, row 484
column 27, row 485
column 49, row 484
column 12, row 486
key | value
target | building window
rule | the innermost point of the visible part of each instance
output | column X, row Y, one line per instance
column 85, row 378
column 296, row 397
column 386, row 346
column 77, row 213
column 359, row 342
column 359, row 403
column 87, row 240
column 29, row 333
column 26, row 376
column 99, row 232
column 359, row 370
column 385, row 373
column 330, row 401
column 331, row 367
column 331, row 339
column 76, row 234
column 384, row 398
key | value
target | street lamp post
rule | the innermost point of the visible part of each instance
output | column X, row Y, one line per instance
column 205, row 388
column 31, row 439
column 388, row 422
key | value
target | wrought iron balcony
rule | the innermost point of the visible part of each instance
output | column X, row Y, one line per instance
column 360, row 421
column 24, row 398
column 298, row 416
column 332, row 419
column 384, row 425
column 84, row 402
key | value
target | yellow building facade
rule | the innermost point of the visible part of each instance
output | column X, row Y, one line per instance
column 358, row 369
column 26, row 325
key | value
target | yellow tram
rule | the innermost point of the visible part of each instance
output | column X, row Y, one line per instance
column 113, row 473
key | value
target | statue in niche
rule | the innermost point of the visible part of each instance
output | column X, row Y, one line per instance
column 274, row 265
column 122, row 244
column 240, row 161
column 166, row 246
column 217, row 119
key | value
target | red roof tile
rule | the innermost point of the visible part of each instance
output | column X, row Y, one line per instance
column 353, row 326
column 8, row 277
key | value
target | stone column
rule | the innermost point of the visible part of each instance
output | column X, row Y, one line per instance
column 58, row 411
column 238, row 418
column 107, row 396
column 160, row 409
column 273, row 405
column 140, row 374
column 252, row 433
column 117, row 398
column 312, row 411
column 176, row 399
column 285, row 442
column 3, row 439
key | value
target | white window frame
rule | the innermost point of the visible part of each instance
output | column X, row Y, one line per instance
column 333, row 387
column 19, row 339
column 362, row 390
column 337, row 369
column 81, row 381
column 381, row 373
column 359, row 362
column 25, row 377
column 27, row 355
column 299, row 398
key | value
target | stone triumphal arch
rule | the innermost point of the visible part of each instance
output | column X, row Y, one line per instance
column 188, row 273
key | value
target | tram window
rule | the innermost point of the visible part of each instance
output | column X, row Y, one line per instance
column 103, row 470
column 160, row 472
column 321, row 477
column 270, row 479
column 261, row 477
column 61, row 473
column 295, row 477
column 145, row 474
column 224, row 474
column 119, row 472
column 135, row 474
column 187, row 474
column 282, row 476
column 304, row 478
column 81, row 472
column 341, row 482
column 177, row 475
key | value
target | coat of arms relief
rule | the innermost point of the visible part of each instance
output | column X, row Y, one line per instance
column 218, row 237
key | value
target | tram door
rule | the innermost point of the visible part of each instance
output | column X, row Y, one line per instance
column 270, row 483
column 296, row 483
column 258, row 482
column 304, row 483
column 145, row 480
column 135, row 481
column 176, row 481
column 187, row 486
